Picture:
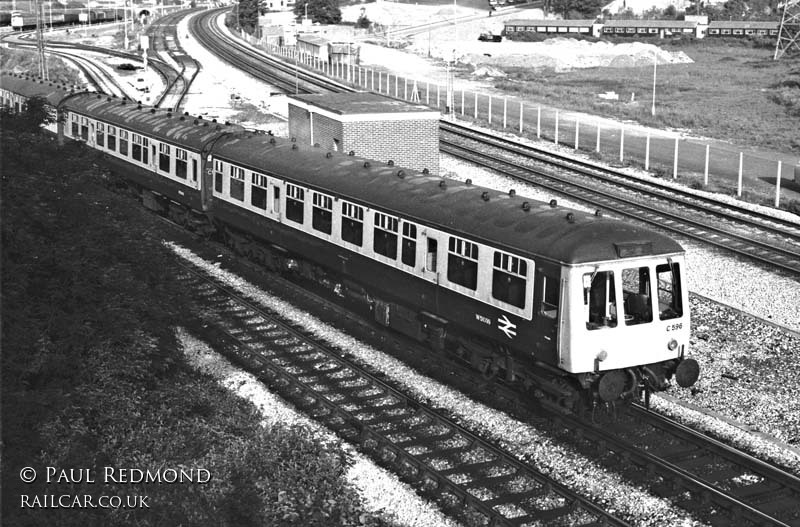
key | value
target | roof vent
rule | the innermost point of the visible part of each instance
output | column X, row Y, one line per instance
column 218, row 128
column 227, row 123
column 195, row 121
column 186, row 113
column 316, row 145
column 108, row 99
column 152, row 110
column 366, row 164
column 401, row 174
column 426, row 171
column 99, row 96
column 272, row 140
column 205, row 124
column 468, row 182
column 553, row 203
column 571, row 217
column 512, row 192
column 294, row 146
column 139, row 106
column 351, row 153
column 200, row 117
column 294, row 139
column 390, row 163
column 443, row 184
column 526, row 206
column 212, row 120
column 598, row 213
column 183, row 118
column 328, row 155
column 485, row 196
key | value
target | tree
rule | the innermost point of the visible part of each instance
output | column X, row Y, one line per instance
column 319, row 11
column 36, row 113
column 577, row 8
column 248, row 15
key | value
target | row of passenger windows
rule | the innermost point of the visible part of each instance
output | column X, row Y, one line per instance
column 392, row 238
column 133, row 145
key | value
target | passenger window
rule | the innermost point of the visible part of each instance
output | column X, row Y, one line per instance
column 322, row 213
column 123, row 142
column 670, row 304
column 409, row 256
column 295, row 198
column 181, row 165
column 276, row 199
column 636, row 295
column 352, row 224
column 258, row 191
column 509, row 279
column 237, row 183
column 599, row 294
column 218, row 168
column 164, row 158
column 462, row 263
column 431, row 255
column 112, row 139
column 384, row 238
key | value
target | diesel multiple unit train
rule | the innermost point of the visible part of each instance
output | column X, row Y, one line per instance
column 568, row 307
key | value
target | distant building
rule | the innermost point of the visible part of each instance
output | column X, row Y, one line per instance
column 370, row 125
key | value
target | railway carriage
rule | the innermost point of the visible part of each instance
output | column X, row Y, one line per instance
column 568, row 307
column 523, row 290
column 164, row 153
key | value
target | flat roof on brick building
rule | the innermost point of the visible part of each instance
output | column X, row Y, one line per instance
column 349, row 104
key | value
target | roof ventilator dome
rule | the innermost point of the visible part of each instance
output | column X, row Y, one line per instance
column 351, row 153
column 328, row 155
column 485, row 196
column 512, row 192
column 366, row 164
column 571, row 217
column 294, row 146
column 598, row 213
column 390, row 163
column 272, row 140
column 401, row 174
column 443, row 184
column 553, row 203
column 426, row 171
column 468, row 182
column 526, row 206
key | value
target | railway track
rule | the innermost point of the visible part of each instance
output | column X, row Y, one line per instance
column 469, row 477
column 758, row 236
column 164, row 44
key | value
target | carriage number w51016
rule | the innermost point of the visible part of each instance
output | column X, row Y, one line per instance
column 675, row 327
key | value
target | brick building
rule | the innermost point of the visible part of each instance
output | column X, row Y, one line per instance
column 371, row 125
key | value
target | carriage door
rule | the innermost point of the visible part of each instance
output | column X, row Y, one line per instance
column 207, row 171
column 547, row 306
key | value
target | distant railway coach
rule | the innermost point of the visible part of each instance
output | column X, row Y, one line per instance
column 697, row 27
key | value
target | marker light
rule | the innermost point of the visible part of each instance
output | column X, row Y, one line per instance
column 672, row 344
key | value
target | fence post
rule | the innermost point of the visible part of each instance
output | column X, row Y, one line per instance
column 647, row 152
column 739, row 184
column 520, row 117
column 505, row 108
column 621, row 143
column 539, row 122
column 778, row 186
column 675, row 161
column 577, row 127
column 476, row 105
column 556, row 141
column 705, row 173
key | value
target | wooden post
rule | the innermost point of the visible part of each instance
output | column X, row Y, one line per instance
column 739, row 184
column 675, row 161
column 556, row 141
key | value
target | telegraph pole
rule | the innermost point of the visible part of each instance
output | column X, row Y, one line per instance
column 43, row 71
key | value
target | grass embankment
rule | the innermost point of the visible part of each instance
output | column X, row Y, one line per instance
column 24, row 61
column 732, row 91
column 93, row 375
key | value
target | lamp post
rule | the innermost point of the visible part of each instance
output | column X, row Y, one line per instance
column 306, row 6
column 655, row 62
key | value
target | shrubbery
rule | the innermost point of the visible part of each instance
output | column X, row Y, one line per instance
column 93, row 374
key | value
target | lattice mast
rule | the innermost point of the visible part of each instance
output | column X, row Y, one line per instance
column 789, row 32
column 43, row 72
